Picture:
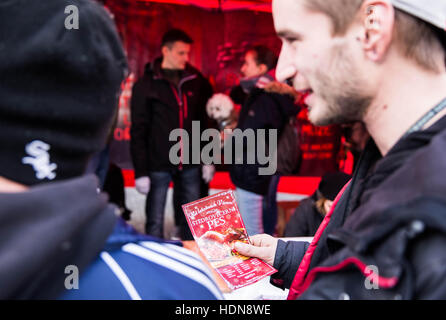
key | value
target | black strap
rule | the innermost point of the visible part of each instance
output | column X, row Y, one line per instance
column 426, row 118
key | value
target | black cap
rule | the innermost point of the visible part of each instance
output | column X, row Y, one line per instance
column 59, row 87
column 332, row 183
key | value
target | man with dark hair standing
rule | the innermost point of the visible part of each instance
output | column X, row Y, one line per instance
column 383, row 63
column 171, row 95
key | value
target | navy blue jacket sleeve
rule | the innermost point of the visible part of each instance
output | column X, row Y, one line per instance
column 135, row 266
column 288, row 256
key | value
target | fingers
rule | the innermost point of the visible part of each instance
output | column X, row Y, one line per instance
column 253, row 251
column 261, row 240
column 262, row 247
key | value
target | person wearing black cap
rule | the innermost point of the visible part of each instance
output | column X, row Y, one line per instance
column 171, row 95
column 59, row 236
column 311, row 211
column 383, row 63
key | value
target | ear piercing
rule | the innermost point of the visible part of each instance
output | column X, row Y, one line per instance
column 372, row 22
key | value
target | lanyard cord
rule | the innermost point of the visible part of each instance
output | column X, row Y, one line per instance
column 426, row 118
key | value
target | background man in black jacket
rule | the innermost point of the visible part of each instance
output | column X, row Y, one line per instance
column 171, row 95
column 260, row 110
column 383, row 63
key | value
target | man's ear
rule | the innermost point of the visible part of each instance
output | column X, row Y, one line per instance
column 165, row 50
column 263, row 68
column 377, row 25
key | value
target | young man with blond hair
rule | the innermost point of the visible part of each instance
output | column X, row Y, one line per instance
column 381, row 62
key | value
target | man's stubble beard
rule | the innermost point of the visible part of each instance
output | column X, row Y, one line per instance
column 342, row 89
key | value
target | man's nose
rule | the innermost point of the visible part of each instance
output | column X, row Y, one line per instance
column 285, row 67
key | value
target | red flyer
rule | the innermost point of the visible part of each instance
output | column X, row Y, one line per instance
column 216, row 224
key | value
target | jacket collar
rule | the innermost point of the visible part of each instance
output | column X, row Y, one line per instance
column 154, row 69
column 381, row 209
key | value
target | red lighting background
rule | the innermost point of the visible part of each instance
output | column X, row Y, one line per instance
column 221, row 31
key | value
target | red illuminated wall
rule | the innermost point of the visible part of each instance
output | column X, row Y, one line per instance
column 220, row 39
column 218, row 36
column 319, row 146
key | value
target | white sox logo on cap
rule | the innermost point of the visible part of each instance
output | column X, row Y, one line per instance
column 39, row 159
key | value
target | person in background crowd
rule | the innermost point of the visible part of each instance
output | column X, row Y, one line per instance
column 114, row 186
column 270, row 200
column 171, row 95
column 59, row 92
column 383, row 63
column 99, row 163
column 309, row 215
column 356, row 138
column 269, row 206
column 260, row 110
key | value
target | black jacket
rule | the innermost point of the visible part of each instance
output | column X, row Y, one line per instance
column 392, row 217
column 158, row 107
column 46, row 229
column 305, row 220
column 260, row 110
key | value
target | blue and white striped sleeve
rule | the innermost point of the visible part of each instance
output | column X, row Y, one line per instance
column 147, row 270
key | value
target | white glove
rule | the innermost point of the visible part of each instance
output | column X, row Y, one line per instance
column 208, row 172
column 142, row 184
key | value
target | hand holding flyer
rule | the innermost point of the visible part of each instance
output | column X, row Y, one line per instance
column 217, row 225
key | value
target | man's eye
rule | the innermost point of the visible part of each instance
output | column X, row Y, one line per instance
column 291, row 39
